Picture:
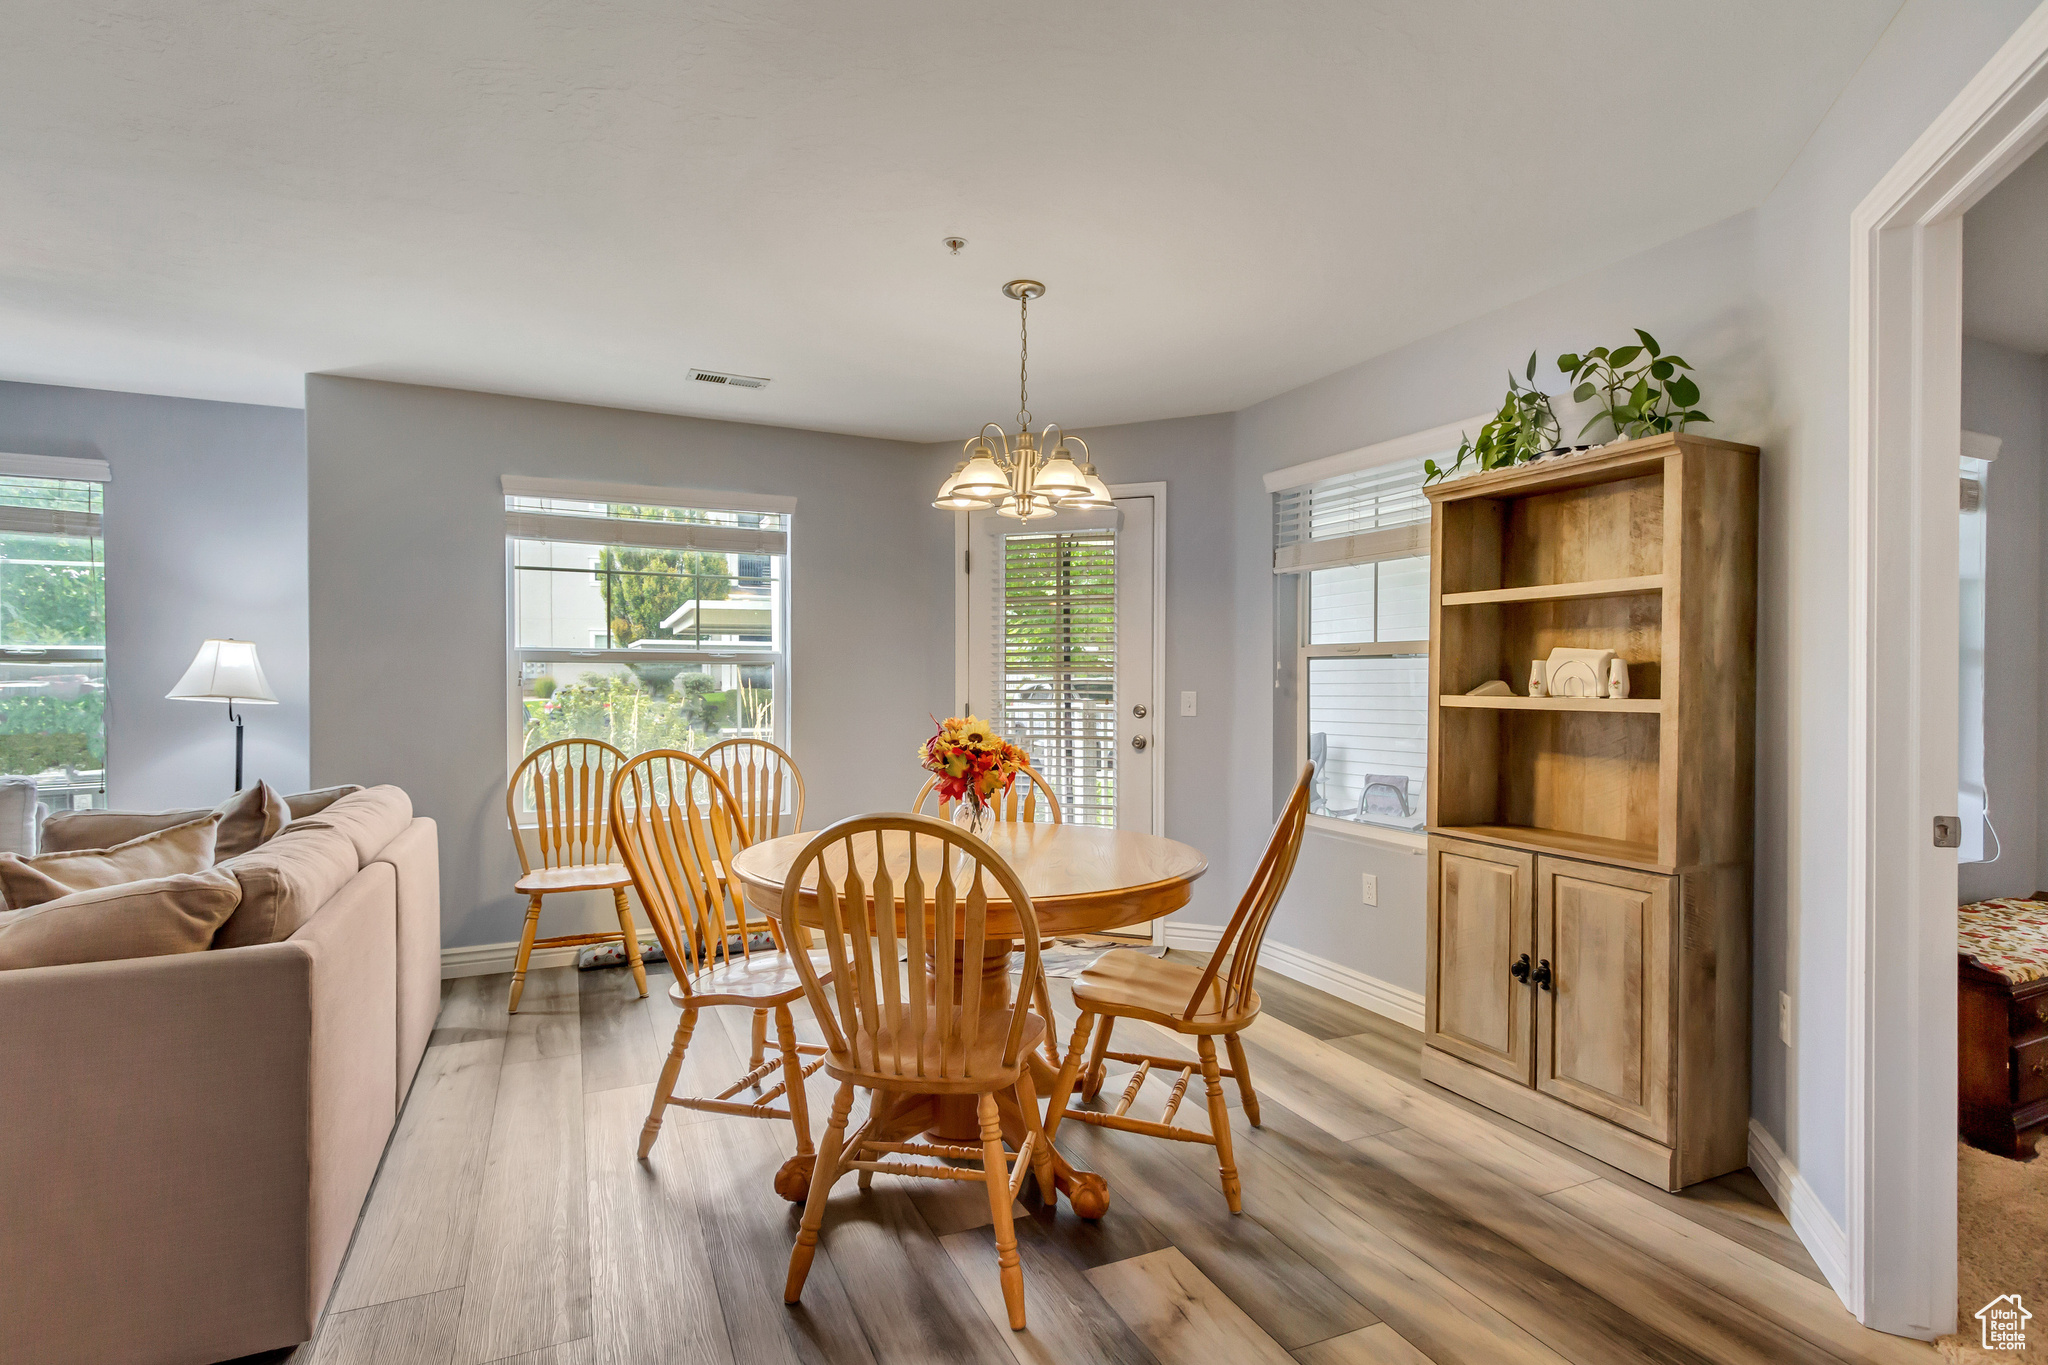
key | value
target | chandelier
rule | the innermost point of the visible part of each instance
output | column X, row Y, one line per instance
column 1023, row 477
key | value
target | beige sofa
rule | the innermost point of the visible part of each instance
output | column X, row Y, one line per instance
column 186, row 1141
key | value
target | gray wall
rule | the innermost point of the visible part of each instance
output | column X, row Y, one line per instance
column 2003, row 393
column 407, row 545
column 205, row 536
column 1700, row 307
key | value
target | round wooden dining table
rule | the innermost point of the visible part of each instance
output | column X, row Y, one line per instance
column 1081, row 878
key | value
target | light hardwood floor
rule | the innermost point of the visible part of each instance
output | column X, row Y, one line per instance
column 1386, row 1222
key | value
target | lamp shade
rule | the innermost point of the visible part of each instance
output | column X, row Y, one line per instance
column 982, row 478
column 951, row 499
column 225, row 670
column 1060, row 479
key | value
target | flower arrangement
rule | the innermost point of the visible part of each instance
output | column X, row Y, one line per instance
column 973, row 763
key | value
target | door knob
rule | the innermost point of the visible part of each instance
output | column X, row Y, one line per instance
column 1137, row 741
column 1520, row 971
column 1541, row 976
column 1139, row 711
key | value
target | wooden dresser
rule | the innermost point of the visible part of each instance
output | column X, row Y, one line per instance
column 1590, row 859
column 2002, row 1023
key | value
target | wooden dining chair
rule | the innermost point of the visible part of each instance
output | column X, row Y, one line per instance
column 1020, row 802
column 678, row 826
column 765, row 781
column 1217, row 998
column 904, row 1017
column 568, row 787
column 1009, row 806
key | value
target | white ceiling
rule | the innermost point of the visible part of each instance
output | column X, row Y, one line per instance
column 580, row 199
column 2005, row 261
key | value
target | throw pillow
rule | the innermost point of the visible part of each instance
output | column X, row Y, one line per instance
column 169, row 852
column 248, row 818
column 284, row 882
column 137, row 919
column 303, row 804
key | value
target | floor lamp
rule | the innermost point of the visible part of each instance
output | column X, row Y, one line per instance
column 226, row 670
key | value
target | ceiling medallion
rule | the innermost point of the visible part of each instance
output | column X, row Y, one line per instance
column 1023, row 477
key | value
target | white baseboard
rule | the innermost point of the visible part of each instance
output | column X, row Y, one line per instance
column 1367, row 992
column 1822, row 1235
column 484, row 959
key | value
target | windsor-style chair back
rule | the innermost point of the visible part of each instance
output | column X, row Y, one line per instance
column 766, row 783
column 1020, row 802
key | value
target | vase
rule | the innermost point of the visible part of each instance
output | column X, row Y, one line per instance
column 977, row 819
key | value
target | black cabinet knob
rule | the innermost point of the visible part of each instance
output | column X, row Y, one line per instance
column 1520, row 971
column 1542, row 974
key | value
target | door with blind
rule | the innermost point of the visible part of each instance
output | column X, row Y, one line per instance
column 1060, row 653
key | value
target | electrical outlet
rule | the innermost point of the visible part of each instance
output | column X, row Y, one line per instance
column 1370, row 888
column 1187, row 703
column 1785, row 1018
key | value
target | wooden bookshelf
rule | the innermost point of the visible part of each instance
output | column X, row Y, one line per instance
column 1607, row 839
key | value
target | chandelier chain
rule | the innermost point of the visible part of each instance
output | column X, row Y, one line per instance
column 1023, row 360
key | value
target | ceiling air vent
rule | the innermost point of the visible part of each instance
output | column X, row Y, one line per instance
column 735, row 381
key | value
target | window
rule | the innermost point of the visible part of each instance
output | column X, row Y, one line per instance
column 1360, row 542
column 1056, row 664
column 644, row 623
column 53, row 628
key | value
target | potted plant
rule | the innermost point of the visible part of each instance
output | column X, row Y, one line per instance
column 1524, row 429
column 1643, row 392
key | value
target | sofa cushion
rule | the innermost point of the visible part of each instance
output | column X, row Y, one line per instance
column 303, row 804
column 152, row 918
column 285, row 882
column 248, row 819
column 369, row 819
column 49, row 876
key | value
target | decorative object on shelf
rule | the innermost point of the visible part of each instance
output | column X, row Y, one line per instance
column 226, row 670
column 973, row 766
column 1496, row 688
column 1024, row 477
column 1539, row 679
column 1524, row 429
column 1386, row 796
column 1617, row 679
column 1577, row 672
column 1642, row 390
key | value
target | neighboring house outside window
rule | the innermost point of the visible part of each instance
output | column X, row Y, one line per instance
column 53, row 628
column 1360, row 543
column 644, row 617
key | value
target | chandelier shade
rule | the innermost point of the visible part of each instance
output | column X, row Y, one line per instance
column 1026, row 476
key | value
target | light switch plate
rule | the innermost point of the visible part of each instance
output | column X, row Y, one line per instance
column 1370, row 888
column 1187, row 703
column 1785, row 1018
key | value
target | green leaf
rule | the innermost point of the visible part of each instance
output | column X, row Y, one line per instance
column 1568, row 363
column 1661, row 370
column 1649, row 342
column 1597, row 353
column 1675, row 361
column 1624, row 355
column 1583, row 392
column 1683, row 391
column 1639, row 396
column 1697, row 416
column 1531, row 376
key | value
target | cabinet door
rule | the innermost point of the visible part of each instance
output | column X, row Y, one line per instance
column 1604, row 1023
column 1480, row 925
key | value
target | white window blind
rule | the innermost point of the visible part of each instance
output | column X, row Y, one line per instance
column 1357, row 518
column 1055, row 664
